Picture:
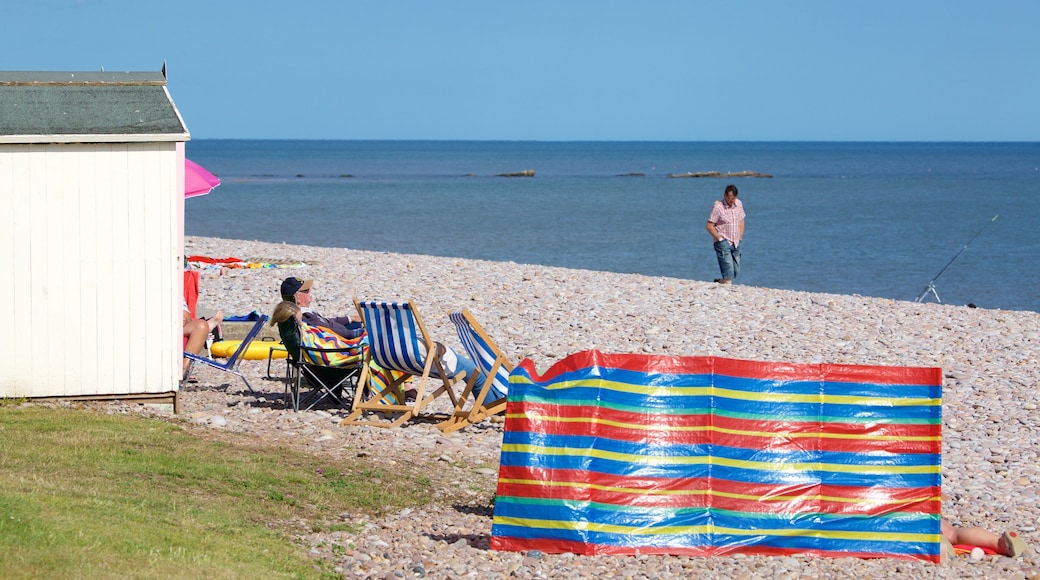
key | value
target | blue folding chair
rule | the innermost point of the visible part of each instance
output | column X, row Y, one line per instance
column 491, row 380
column 231, row 365
column 398, row 343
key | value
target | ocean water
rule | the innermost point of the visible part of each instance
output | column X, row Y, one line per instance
column 874, row 219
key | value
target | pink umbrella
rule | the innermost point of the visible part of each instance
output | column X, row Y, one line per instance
column 197, row 181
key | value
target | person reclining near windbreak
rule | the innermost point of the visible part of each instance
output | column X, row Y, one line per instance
column 298, row 292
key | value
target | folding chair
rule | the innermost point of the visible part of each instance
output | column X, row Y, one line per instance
column 231, row 364
column 321, row 359
column 491, row 378
column 399, row 348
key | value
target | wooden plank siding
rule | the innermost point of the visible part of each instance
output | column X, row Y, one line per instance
column 92, row 237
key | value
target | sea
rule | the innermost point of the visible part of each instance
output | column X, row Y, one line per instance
column 957, row 223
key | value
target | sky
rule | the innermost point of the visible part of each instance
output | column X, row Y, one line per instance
column 560, row 70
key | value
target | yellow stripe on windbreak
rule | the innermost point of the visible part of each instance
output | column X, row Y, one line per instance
column 705, row 460
column 695, row 428
column 716, row 493
column 587, row 526
column 707, row 390
column 829, row 399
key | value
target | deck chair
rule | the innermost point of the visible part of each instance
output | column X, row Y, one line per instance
column 399, row 349
column 231, row 364
column 322, row 360
column 488, row 385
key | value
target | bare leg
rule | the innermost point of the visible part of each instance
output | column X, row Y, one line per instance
column 974, row 536
column 215, row 320
column 1008, row 544
column 196, row 331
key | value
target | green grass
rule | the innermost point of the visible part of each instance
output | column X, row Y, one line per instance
column 88, row 495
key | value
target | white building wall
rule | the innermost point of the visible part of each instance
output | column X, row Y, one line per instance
column 91, row 239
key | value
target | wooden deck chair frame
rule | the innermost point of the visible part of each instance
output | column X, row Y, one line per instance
column 231, row 365
column 492, row 365
column 395, row 331
column 324, row 380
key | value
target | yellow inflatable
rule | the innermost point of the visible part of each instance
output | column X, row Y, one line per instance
column 257, row 350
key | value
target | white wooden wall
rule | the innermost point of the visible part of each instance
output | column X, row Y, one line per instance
column 91, row 239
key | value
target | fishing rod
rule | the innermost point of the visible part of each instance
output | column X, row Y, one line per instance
column 931, row 285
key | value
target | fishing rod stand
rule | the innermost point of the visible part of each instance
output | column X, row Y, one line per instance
column 929, row 289
column 931, row 285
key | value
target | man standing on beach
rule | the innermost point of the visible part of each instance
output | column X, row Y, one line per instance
column 726, row 226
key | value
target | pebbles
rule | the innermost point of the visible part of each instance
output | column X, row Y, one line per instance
column 990, row 360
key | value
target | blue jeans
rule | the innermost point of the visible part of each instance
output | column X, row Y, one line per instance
column 462, row 363
column 729, row 258
column 467, row 365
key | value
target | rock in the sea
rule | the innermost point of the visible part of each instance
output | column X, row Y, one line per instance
column 524, row 173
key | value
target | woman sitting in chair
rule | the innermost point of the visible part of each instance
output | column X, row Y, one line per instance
column 196, row 330
column 284, row 311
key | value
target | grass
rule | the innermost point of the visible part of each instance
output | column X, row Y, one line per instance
column 89, row 495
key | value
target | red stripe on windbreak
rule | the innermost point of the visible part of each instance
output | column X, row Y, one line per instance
column 657, row 364
column 664, row 365
column 668, row 430
column 649, row 417
column 554, row 546
column 582, row 491
column 807, row 505
column 775, row 443
column 838, row 373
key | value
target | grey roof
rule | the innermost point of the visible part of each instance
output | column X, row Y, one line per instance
column 105, row 106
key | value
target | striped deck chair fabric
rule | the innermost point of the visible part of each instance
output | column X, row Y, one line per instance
column 395, row 335
column 705, row 456
column 398, row 346
column 490, row 383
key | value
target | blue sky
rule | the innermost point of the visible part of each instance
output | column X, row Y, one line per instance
column 685, row 70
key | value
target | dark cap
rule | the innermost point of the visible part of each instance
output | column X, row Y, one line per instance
column 292, row 285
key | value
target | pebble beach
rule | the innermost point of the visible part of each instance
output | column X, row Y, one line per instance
column 990, row 361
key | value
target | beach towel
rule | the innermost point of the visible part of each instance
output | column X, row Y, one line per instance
column 706, row 456
column 251, row 317
column 340, row 352
column 207, row 263
column 191, row 291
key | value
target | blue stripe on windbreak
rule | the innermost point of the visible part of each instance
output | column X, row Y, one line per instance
column 626, row 516
column 903, row 523
column 750, row 385
column 779, row 410
column 878, row 390
column 646, row 518
column 879, row 478
column 856, row 479
column 702, row 404
column 874, row 458
column 675, row 397
column 606, row 466
column 807, row 542
column 579, row 444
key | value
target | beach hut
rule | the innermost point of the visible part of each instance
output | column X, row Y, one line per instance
column 91, row 235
